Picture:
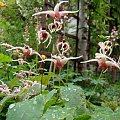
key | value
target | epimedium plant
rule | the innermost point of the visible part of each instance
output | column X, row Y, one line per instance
column 21, row 83
column 31, row 92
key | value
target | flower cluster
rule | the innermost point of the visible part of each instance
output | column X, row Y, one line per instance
column 103, row 57
column 4, row 88
column 44, row 36
column 57, row 16
column 23, row 53
column 62, row 46
column 114, row 35
column 23, row 74
column 26, row 84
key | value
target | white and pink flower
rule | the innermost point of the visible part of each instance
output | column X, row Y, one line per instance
column 60, row 61
column 56, row 26
column 62, row 47
column 56, row 14
column 27, row 51
column 105, row 47
column 44, row 36
column 104, row 62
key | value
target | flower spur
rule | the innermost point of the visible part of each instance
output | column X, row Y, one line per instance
column 62, row 47
column 55, row 26
column 105, row 47
column 44, row 36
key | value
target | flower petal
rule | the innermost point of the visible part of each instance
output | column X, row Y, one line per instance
column 105, row 56
column 62, row 13
column 112, row 64
column 50, row 12
column 64, row 61
column 34, row 52
column 51, row 60
column 92, row 60
column 100, row 55
column 49, row 41
column 21, row 48
column 72, row 58
column 55, row 56
column 56, row 8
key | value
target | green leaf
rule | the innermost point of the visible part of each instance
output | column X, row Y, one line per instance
column 7, row 98
column 26, row 110
column 98, row 81
column 82, row 79
column 73, row 96
column 58, row 114
column 29, row 109
column 83, row 117
column 105, row 113
column 5, row 58
column 14, row 82
column 45, row 78
column 49, row 95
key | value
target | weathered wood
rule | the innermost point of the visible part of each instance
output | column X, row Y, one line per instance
column 82, row 35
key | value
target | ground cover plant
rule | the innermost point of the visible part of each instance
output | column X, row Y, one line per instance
column 38, row 76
